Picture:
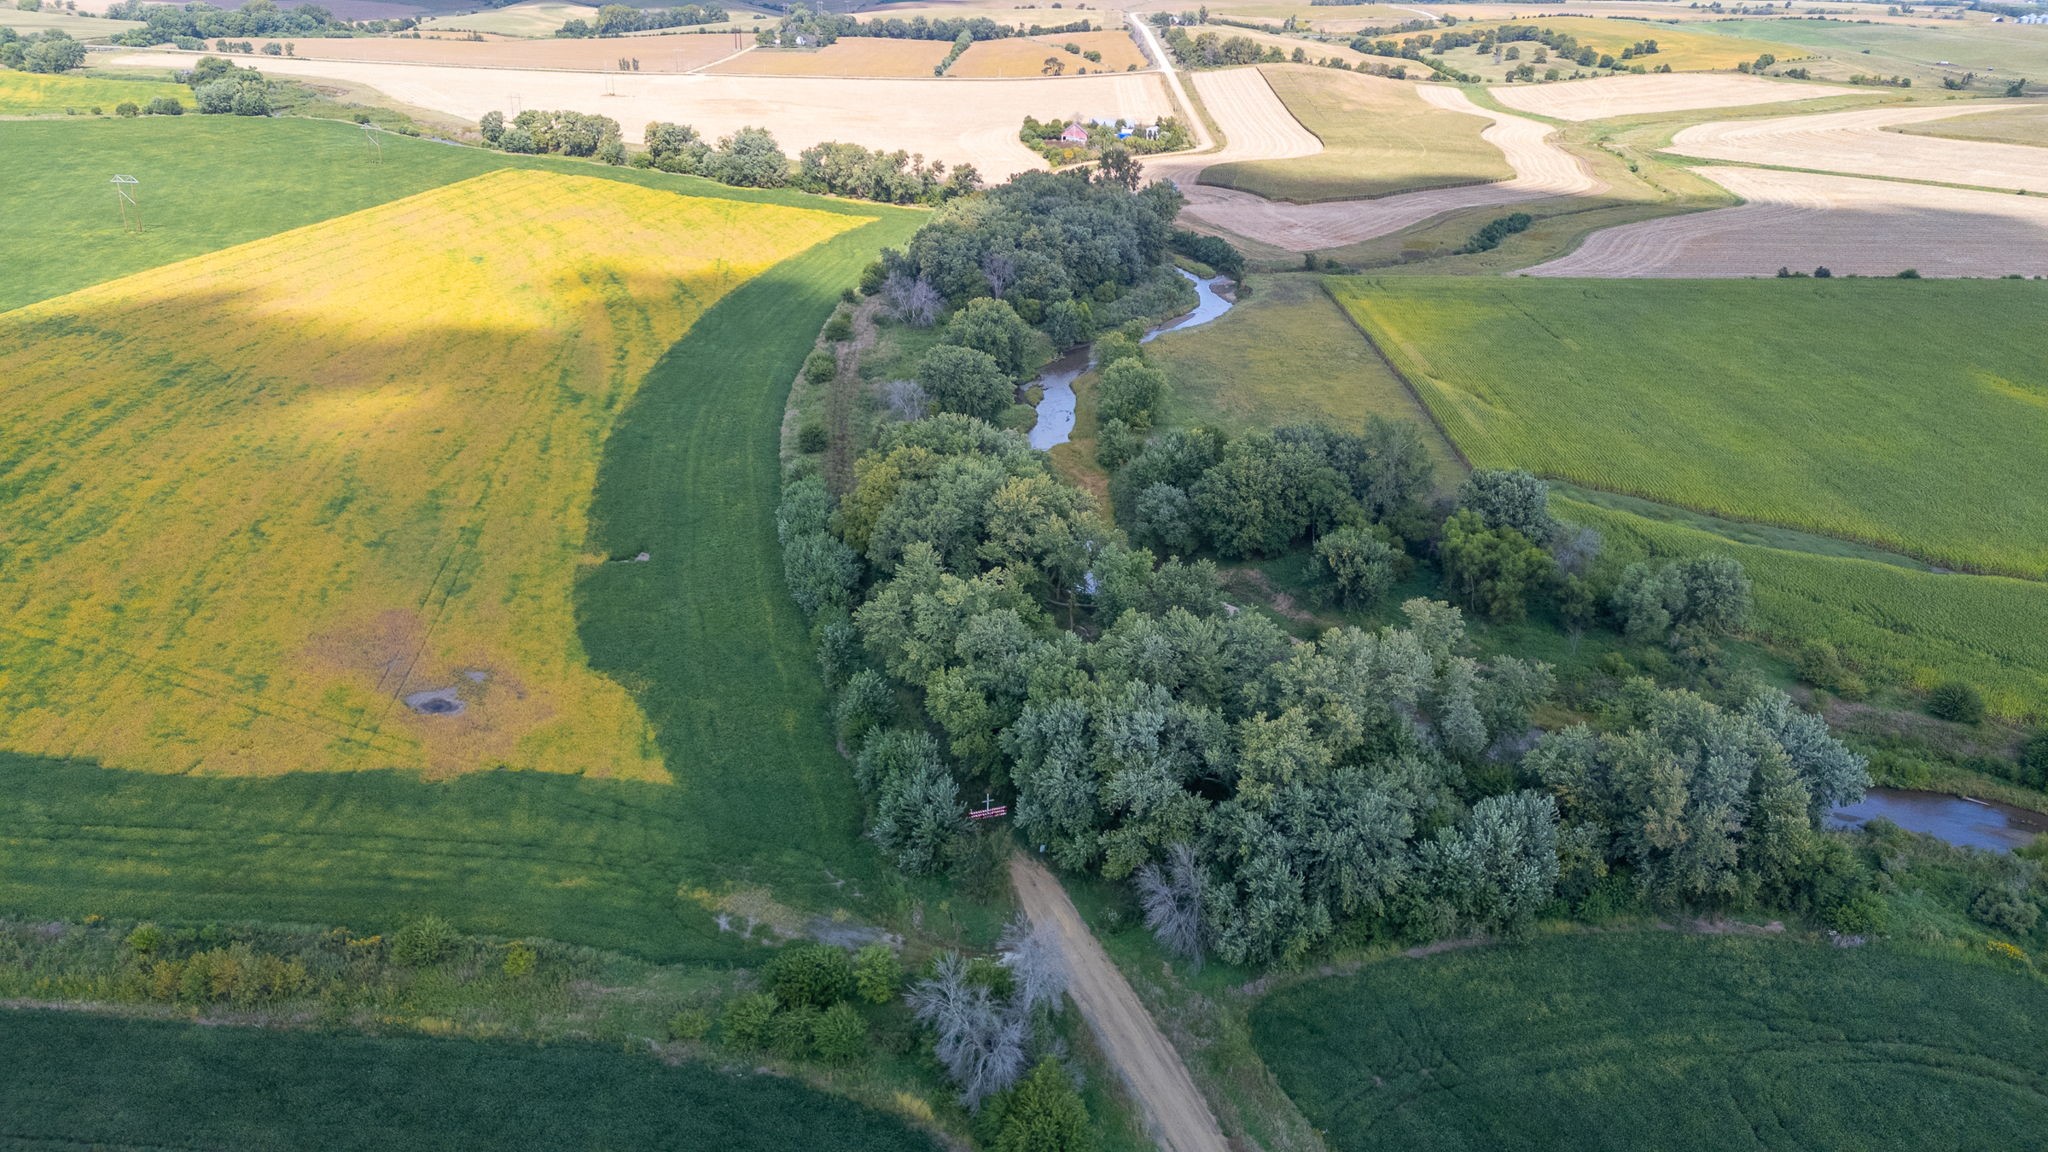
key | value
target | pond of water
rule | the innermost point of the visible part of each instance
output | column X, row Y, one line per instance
column 1965, row 823
column 1056, row 408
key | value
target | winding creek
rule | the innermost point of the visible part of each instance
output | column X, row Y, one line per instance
column 1056, row 405
column 1952, row 819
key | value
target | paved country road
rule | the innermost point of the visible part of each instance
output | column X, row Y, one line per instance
column 1175, row 1113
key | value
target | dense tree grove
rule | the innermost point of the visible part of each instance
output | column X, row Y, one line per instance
column 819, row 28
column 51, row 51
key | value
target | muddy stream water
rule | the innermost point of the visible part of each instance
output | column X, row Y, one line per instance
column 1965, row 823
column 1056, row 409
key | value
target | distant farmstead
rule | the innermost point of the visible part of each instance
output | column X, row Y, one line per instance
column 1075, row 133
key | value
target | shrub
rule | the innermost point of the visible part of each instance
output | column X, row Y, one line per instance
column 127, row 108
column 2007, row 910
column 839, row 327
column 423, row 941
column 146, row 939
column 520, row 960
column 866, row 703
column 689, row 1024
column 1957, row 701
column 812, row 437
column 2034, row 759
column 877, row 973
column 165, row 106
column 818, row 975
column 819, row 367
column 1131, row 391
column 744, row 1027
column 1043, row 1113
column 840, row 1034
column 1116, row 445
column 1359, row 564
column 790, row 1032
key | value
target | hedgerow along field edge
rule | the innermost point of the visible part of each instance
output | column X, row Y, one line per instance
column 1654, row 1039
column 615, row 864
column 1890, row 412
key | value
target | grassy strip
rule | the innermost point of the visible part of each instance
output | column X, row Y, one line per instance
column 79, row 1079
column 2028, row 126
column 1831, row 407
column 1661, row 1040
column 1379, row 138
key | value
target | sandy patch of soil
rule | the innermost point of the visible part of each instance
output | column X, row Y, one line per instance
column 1542, row 170
column 1856, row 142
column 957, row 121
column 1609, row 96
column 1802, row 220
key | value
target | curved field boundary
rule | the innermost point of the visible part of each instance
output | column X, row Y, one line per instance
column 1856, row 143
column 1542, row 170
column 1803, row 220
column 703, row 635
column 1605, row 97
column 1255, row 124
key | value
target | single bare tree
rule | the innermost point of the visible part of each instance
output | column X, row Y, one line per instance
column 1172, row 900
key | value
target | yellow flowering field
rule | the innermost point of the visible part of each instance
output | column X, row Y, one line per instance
column 318, row 502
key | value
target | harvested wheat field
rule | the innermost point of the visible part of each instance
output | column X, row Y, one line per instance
column 1856, row 142
column 1804, row 220
column 957, row 122
column 1380, row 137
column 2025, row 124
column 1026, row 55
column 853, row 56
column 1256, row 126
column 1542, row 170
column 318, row 501
column 681, row 53
column 1610, row 96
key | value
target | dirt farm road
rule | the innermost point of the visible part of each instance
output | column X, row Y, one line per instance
column 1176, row 1114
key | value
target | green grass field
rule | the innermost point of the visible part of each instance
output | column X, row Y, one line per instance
column 1919, row 627
column 33, row 94
column 1378, row 136
column 2027, row 126
column 75, row 26
column 532, row 18
column 703, row 636
column 1655, row 1040
column 72, row 1080
column 209, row 182
column 1896, row 413
column 2012, row 50
column 1286, row 354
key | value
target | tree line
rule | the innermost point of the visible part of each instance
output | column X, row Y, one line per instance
column 619, row 19
column 819, row 28
column 189, row 25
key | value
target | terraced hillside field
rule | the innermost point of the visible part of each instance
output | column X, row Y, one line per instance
column 1896, row 413
column 1627, row 1041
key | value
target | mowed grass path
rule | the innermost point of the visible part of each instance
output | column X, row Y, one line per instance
column 1379, row 138
column 74, row 1080
column 1905, row 414
column 1655, row 1040
column 702, row 635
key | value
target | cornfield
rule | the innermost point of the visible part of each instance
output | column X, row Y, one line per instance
column 319, row 501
